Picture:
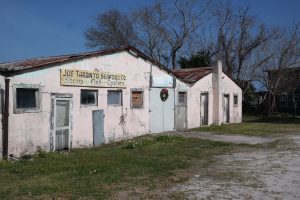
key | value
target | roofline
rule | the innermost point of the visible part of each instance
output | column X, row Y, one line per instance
column 186, row 82
column 81, row 56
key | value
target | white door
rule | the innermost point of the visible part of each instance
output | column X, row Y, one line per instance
column 161, row 112
column 62, row 123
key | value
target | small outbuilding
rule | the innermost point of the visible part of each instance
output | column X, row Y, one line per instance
column 83, row 100
column 205, row 96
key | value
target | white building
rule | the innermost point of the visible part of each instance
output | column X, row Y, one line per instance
column 82, row 100
column 212, row 97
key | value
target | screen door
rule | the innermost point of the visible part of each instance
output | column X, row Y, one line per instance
column 62, row 123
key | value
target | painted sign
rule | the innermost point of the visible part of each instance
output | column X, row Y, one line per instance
column 162, row 81
column 84, row 78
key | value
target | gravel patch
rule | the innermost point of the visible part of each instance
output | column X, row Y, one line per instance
column 239, row 139
column 269, row 173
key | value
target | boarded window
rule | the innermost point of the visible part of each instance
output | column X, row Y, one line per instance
column 235, row 100
column 89, row 97
column 182, row 98
column 27, row 98
column 137, row 99
column 114, row 97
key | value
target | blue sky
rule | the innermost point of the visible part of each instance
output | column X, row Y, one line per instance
column 32, row 28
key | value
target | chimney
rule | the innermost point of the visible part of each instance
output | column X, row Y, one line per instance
column 217, row 95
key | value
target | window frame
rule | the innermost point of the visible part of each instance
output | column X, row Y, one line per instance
column 96, row 96
column 131, row 98
column 237, row 99
column 38, row 98
column 121, row 98
column 185, row 98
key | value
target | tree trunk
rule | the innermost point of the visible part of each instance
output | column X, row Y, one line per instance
column 273, row 104
column 269, row 104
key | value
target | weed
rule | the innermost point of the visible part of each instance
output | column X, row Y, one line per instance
column 148, row 140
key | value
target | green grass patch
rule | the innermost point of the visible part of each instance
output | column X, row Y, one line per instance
column 147, row 162
column 258, row 126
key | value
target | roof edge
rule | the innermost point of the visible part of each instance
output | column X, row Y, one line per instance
column 80, row 56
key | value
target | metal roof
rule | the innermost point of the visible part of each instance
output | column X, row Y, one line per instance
column 23, row 66
column 192, row 75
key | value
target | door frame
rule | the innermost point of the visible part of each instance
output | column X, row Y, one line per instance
column 54, row 98
column 94, row 145
column 176, row 104
column 207, row 105
column 167, row 119
column 226, row 95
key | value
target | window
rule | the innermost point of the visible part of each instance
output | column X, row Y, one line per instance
column 235, row 100
column 114, row 97
column 182, row 98
column 27, row 98
column 89, row 97
column 137, row 99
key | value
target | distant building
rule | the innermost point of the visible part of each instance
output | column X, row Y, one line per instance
column 288, row 98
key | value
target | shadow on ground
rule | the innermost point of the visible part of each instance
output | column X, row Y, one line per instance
column 273, row 119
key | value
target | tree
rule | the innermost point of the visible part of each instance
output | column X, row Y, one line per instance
column 148, row 25
column 277, row 74
column 240, row 39
column 113, row 29
column 201, row 59
column 161, row 29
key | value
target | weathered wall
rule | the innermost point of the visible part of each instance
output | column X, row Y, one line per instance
column 204, row 85
column 29, row 130
column 227, row 86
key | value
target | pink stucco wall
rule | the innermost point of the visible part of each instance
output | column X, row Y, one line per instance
column 29, row 130
column 227, row 86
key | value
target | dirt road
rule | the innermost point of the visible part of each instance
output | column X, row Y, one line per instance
column 262, row 173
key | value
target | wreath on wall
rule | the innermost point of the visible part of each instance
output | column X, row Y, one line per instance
column 164, row 94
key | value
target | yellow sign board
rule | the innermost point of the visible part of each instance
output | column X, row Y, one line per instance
column 84, row 78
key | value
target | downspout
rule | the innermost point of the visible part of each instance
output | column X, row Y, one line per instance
column 5, row 120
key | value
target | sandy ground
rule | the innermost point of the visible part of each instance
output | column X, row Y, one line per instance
column 225, row 138
column 265, row 173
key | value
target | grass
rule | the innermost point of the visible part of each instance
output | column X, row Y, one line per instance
column 143, row 164
column 258, row 126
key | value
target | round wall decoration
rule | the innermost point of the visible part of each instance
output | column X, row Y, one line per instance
column 164, row 94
